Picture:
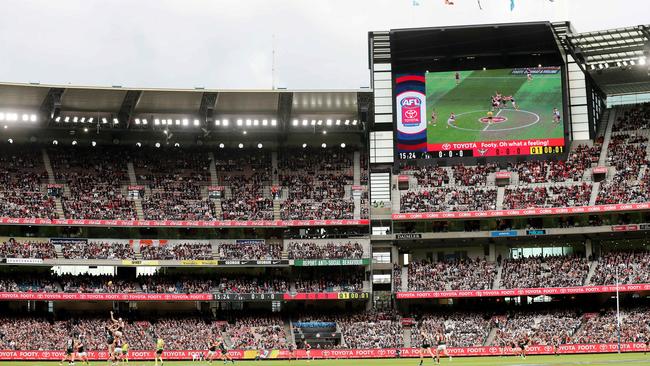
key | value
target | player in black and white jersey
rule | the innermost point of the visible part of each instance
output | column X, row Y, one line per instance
column 425, row 347
column 69, row 352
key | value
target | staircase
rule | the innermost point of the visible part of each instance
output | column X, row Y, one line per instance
column 357, row 206
column 214, row 179
column 48, row 167
column 274, row 168
column 496, row 284
column 501, row 192
column 217, row 209
column 357, row 168
column 277, row 212
column 133, row 179
column 59, row 207
column 608, row 136
column 137, row 202
column 595, row 187
column 405, row 280
column 288, row 330
column 592, row 270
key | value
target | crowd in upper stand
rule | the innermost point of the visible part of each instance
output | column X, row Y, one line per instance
column 94, row 183
column 23, row 184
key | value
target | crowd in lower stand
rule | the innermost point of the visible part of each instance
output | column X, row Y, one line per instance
column 545, row 328
column 371, row 329
column 461, row 329
column 363, row 330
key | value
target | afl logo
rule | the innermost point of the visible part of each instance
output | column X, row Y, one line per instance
column 411, row 110
column 411, row 102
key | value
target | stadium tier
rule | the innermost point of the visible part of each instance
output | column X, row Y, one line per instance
column 496, row 204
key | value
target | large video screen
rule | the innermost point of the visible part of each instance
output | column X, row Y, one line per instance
column 502, row 112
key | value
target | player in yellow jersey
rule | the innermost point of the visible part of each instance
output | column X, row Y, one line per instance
column 490, row 116
column 160, row 346
column 125, row 352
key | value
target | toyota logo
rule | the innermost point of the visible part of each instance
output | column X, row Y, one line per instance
column 446, row 146
column 493, row 350
column 411, row 113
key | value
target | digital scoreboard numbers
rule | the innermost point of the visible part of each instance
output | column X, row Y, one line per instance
column 505, row 151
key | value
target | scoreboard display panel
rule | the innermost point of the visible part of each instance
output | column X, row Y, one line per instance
column 479, row 113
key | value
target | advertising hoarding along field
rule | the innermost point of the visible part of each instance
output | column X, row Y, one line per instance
column 501, row 112
column 239, row 354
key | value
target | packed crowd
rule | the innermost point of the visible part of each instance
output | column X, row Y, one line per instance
column 371, row 329
column 543, row 328
column 544, row 197
column 449, row 199
column 631, row 268
column 176, row 180
column 314, row 250
column 257, row 332
column 473, row 175
column 349, row 281
column 13, row 248
column 23, row 181
column 250, row 249
column 317, row 210
column 461, row 329
column 94, row 180
column 97, row 250
column 316, row 183
column 552, row 271
column 461, row 274
column 179, row 251
column 601, row 328
column 248, row 177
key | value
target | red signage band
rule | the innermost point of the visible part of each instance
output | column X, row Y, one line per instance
column 63, row 296
column 138, row 355
column 523, row 212
column 521, row 292
column 181, row 223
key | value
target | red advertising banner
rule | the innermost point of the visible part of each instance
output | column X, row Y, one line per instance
column 402, row 178
column 523, row 212
column 54, row 296
column 521, row 292
column 599, row 170
column 502, row 175
column 179, row 223
column 7, row 355
column 625, row 227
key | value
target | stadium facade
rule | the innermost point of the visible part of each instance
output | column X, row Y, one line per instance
column 350, row 220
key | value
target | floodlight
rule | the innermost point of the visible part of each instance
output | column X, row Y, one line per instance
column 157, row 144
column 343, row 145
column 32, row 118
column 11, row 141
column 323, row 145
column 116, row 121
column 186, row 122
column 67, row 119
column 274, row 122
column 144, row 121
column 304, row 146
column 329, row 122
column 354, row 122
column 137, row 121
column 304, row 122
column 241, row 146
column 259, row 146
column 74, row 142
column 256, row 122
column 57, row 119
column 221, row 145
column 265, row 122
column 217, row 122
column 197, row 122
column 25, row 117
column 93, row 143
column 295, row 122
column 156, row 121
column 240, row 122
column 55, row 142
column 225, row 122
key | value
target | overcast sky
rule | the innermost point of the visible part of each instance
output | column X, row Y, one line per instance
column 228, row 44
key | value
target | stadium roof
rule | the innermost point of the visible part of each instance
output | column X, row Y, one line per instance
column 617, row 59
column 128, row 103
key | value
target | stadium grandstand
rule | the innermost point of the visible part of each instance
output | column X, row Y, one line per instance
column 429, row 213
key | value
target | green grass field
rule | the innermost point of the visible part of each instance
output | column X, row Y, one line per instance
column 470, row 100
column 596, row 359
